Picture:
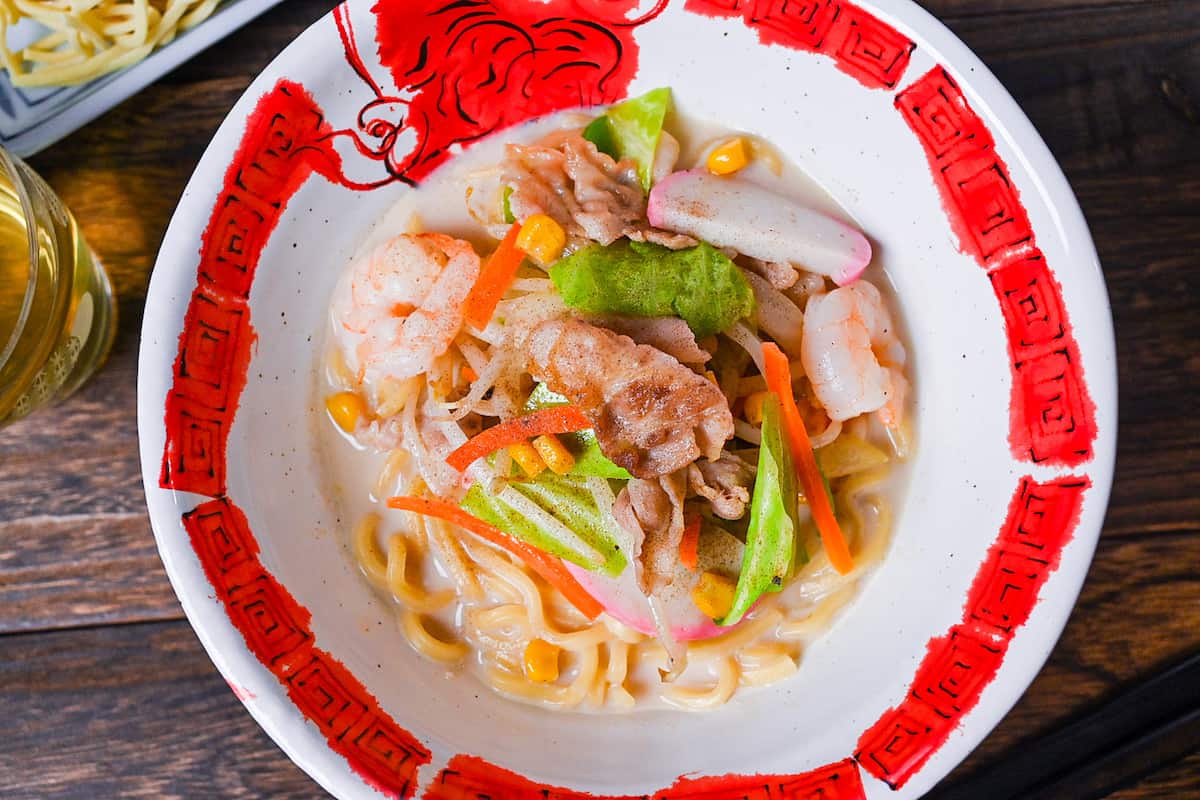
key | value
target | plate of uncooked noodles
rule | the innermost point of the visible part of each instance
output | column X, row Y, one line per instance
column 65, row 62
column 602, row 398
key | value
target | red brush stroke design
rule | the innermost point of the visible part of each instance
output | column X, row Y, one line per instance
column 277, row 631
column 280, row 148
column 983, row 205
column 872, row 52
column 460, row 70
column 837, row 781
column 1041, row 520
column 958, row 666
column 210, row 372
column 902, row 740
column 1052, row 414
column 284, row 142
column 472, row 778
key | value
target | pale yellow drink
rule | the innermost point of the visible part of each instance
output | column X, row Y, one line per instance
column 57, row 316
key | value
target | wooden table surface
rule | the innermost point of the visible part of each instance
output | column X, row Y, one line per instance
column 103, row 683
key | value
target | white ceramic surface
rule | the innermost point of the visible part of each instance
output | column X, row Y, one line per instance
column 854, row 142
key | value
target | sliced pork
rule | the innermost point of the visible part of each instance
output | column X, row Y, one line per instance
column 724, row 483
column 592, row 196
column 668, row 334
column 652, row 510
column 652, row 415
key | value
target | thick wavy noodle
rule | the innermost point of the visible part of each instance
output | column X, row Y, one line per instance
column 461, row 602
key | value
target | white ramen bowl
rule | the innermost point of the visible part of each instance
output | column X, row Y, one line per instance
column 992, row 264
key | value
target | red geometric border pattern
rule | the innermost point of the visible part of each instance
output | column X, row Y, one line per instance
column 210, row 373
column 956, row 668
column 472, row 778
column 1052, row 415
column 214, row 348
column 862, row 46
column 278, row 152
column 837, row 781
column 276, row 630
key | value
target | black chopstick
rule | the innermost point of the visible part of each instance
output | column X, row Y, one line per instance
column 1142, row 729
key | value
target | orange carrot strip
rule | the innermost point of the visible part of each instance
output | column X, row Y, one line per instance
column 556, row 419
column 542, row 563
column 779, row 381
column 494, row 279
column 689, row 545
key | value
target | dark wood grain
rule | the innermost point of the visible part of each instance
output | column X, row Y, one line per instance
column 1133, row 734
column 113, row 575
column 95, row 657
column 1179, row 781
column 130, row 711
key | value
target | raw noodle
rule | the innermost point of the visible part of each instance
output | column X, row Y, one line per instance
column 90, row 38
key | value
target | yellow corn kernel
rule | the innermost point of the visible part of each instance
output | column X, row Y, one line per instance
column 346, row 408
column 754, row 407
column 541, row 661
column 542, row 239
column 528, row 458
column 728, row 158
column 713, row 595
column 557, row 457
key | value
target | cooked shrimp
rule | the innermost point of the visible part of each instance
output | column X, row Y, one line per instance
column 853, row 356
column 400, row 306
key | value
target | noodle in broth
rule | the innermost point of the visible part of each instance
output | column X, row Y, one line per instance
column 466, row 604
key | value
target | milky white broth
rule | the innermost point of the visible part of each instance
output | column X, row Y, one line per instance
column 351, row 472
